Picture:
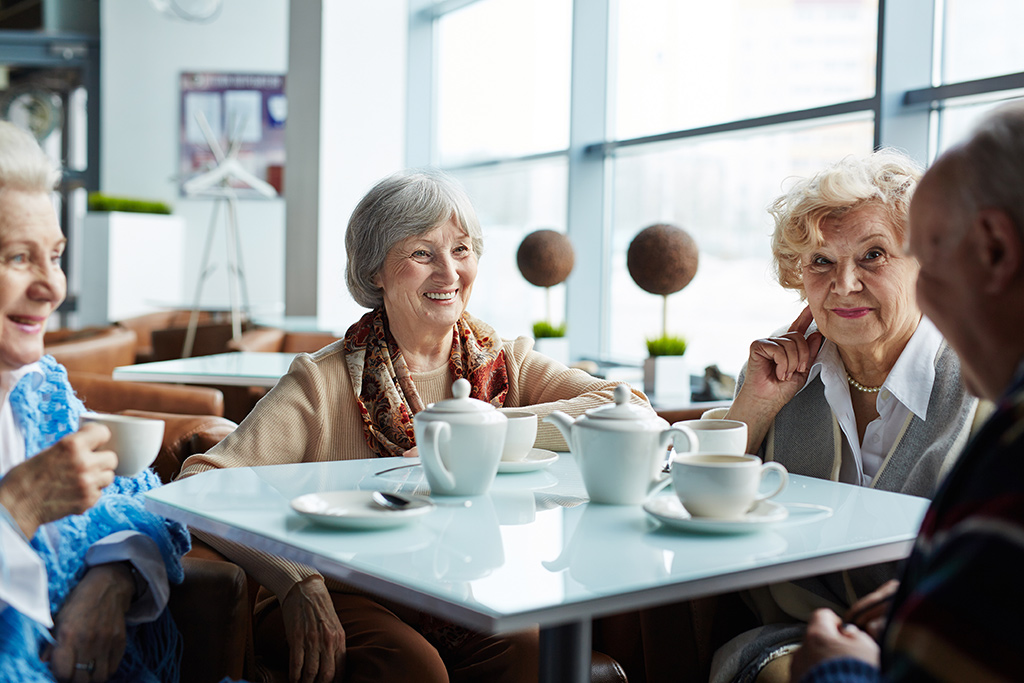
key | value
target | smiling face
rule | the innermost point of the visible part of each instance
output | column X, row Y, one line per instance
column 427, row 279
column 32, row 283
column 860, row 284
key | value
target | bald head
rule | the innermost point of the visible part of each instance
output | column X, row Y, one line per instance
column 966, row 223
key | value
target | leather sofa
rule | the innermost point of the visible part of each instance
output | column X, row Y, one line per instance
column 93, row 349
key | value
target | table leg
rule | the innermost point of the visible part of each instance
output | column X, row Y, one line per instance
column 565, row 653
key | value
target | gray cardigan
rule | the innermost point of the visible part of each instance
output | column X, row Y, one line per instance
column 806, row 438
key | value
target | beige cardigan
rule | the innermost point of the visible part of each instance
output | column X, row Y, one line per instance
column 312, row 416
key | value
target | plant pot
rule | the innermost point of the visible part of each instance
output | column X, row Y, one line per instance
column 667, row 377
column 555, row 348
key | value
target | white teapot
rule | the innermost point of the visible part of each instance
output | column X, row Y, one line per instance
column 460, row 442
column 621, row 449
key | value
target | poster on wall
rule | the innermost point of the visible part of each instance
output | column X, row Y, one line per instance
column 245, row 114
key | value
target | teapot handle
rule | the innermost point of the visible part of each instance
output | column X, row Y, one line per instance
column 430, row 451
column 671, row 434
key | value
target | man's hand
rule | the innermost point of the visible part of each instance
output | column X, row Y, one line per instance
column 65, row 479
column 90, row 627
column 827, row 638
column 316, row 640
column 868, row 613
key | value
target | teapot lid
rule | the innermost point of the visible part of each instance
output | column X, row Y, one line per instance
column 622, row 410
column 461, row 403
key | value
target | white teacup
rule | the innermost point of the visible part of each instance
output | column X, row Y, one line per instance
column 722, row 485
column 520, row 436
column 719, row 436
column 135, row 440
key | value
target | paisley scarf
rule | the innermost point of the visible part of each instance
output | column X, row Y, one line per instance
column 383, row 385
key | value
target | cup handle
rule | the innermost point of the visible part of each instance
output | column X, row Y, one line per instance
column 783, row 479
column 430, row 451
column 670, row 434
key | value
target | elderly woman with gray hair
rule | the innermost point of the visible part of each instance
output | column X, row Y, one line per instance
column 413, row 246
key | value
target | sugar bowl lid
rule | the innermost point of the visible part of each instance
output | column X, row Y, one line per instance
column 461, row 403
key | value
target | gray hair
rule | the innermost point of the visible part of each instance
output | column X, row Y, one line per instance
column 403, row 205
column 987, row 170
column 23, row 164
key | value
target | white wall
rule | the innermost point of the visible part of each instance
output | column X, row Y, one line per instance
column 142, row 54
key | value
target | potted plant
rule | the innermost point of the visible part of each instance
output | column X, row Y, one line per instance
column 662, row 259
column 545, row 258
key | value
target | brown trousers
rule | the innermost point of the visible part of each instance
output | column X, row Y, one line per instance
column 382, row 647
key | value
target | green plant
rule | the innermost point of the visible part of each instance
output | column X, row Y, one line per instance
column 666, row 345
column 545, row 329
column 102, row 202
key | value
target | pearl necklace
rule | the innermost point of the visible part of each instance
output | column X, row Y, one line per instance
column 860, row 387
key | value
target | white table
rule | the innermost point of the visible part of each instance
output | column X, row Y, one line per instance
column 533, row 551
column 246, row 368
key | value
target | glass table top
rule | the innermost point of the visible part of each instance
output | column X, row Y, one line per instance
column 533, row 550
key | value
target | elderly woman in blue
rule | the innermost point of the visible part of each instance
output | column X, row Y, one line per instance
column 84, row 568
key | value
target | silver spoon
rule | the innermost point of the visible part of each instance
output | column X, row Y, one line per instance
column 393, row 501
column 390, row 501
column 392, row 469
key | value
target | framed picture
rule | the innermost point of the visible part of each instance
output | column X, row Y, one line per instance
column 241, row 112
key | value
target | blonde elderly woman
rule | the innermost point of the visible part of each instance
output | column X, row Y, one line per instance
column 861, row 389
column 84, row 568
column 413, row 246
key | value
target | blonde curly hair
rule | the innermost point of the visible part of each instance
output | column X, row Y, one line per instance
column 885, row 178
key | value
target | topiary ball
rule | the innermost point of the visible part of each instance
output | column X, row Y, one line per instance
column 662, row 259
column 545, row 258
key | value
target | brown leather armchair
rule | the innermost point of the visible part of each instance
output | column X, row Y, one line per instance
column 103, row 394
column 170, row 344
column 93, row 349
column 211, row 607
column 270, row 339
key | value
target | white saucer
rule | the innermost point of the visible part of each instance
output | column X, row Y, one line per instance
column 534, row 460
column 356, row 510
column 669, row 511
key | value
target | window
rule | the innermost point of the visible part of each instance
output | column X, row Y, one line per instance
column 503, row 79
column 690, row 64
column 688, row 112
column 512, row 201
column 718, row 189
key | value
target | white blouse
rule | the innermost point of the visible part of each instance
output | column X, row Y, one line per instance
column 905, row 392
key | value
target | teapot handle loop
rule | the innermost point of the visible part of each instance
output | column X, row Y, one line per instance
column 672, row 434
column 430, row 451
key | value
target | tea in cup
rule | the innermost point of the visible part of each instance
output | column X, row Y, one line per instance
column 726, row 486
column 135, row 440
column 719, row 436
column 520, row 435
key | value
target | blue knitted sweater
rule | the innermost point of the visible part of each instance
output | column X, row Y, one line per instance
column 46, row 409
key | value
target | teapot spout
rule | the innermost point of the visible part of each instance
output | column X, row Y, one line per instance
column 564, row 424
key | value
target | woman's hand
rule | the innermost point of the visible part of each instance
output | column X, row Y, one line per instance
column 65, row 479
column 413, row 452
column 869, row 612
column 316, row 640
column 90, row 627
column 827, row 638
column 776, row 370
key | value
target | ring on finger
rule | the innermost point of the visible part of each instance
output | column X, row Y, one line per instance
column 87, row 667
